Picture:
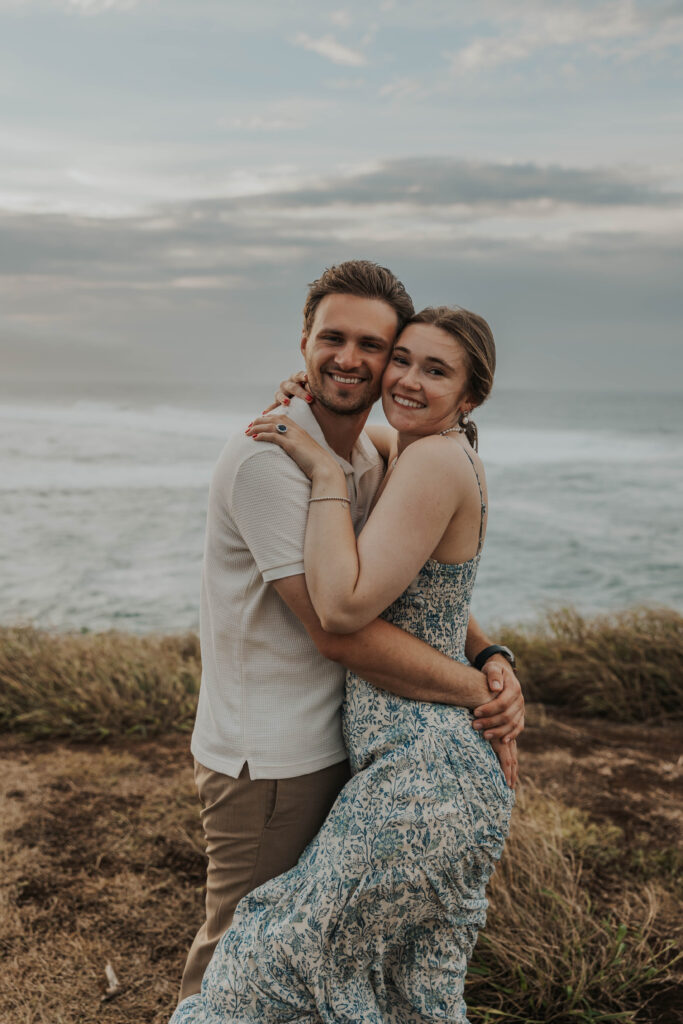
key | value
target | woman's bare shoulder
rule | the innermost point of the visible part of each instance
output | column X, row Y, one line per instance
column 436, row 455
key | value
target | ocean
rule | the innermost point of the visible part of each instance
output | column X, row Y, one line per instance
column 102, row 508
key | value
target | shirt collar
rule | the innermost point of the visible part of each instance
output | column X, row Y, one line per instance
column 364, row 455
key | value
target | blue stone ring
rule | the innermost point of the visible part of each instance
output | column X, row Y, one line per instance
column 282, row 428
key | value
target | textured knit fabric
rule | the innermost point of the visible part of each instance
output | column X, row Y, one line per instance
column 377, row 921
column 267, row 697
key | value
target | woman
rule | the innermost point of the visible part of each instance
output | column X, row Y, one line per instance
column 378, row 919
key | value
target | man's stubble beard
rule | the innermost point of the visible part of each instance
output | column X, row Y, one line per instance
column 363, row 403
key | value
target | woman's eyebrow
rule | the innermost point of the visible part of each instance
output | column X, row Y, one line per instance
column 428, row 359
column 441, row 362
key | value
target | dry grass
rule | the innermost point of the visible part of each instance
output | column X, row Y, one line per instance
column 557, row 947
column 96, row 686
column 627, row 666
column 102, row 857
column 102, row 862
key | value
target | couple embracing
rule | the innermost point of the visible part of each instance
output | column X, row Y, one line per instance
column 353, row 805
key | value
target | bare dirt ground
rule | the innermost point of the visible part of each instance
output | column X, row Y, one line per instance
column 102, row 858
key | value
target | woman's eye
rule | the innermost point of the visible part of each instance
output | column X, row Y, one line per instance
column 435, row 372
column 400, row 360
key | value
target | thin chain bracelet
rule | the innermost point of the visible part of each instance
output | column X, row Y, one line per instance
column 331, row 498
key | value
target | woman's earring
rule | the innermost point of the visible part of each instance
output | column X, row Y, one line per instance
column 465, row 419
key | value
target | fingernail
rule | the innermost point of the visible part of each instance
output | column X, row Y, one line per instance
column 249, row 426
column 477, row 725
column 488, row 735
column 309, row 398
column 285, row 401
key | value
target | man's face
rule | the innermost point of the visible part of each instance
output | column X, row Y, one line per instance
column 347, row 350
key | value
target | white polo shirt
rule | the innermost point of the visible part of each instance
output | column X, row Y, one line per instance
column 267, row 696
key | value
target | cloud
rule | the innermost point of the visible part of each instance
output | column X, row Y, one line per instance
column 215, row 243
column 621, row 29
column 182, row 297
column 331, row 49
column 259, row 123
column 98, row 6
column 444, row 181
column 341, row 18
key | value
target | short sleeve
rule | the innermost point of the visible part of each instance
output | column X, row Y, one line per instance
column 269, row 507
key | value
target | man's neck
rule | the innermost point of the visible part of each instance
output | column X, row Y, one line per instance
column 340, row 432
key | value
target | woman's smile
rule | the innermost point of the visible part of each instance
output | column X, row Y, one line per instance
column 409, row 403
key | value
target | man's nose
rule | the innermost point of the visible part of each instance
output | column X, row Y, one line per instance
column 347, row 357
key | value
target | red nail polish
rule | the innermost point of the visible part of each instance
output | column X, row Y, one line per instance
column 309, row 398
column 285, row 401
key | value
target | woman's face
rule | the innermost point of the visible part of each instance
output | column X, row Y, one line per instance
column 424, row 387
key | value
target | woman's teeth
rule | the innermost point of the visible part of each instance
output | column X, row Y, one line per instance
column 407, row 403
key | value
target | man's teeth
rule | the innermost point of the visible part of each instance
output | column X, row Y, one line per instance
column 408, row 404
column 346, row 380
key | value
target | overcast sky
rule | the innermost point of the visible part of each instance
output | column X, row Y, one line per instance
column 174, row 172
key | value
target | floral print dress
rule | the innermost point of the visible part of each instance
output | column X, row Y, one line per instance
column 376, row 922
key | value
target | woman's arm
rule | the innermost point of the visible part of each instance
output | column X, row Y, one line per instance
column 351, row 584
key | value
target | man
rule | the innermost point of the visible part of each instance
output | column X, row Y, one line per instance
column 269, row 754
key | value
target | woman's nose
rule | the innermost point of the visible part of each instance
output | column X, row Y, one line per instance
column 410, row 378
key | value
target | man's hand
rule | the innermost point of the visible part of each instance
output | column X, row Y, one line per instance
column 503, row 717
column 507, row 756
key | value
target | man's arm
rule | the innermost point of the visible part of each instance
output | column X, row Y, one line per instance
column 389, row 657
column 396, row 661
column 476, row 640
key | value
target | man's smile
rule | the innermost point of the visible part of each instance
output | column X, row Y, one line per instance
column 338, row 378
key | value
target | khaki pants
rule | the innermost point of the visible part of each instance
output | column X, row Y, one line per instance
column 255, row 829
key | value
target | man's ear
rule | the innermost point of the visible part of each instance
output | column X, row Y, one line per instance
column 304, row 339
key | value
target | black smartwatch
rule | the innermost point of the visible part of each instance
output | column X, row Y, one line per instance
column 488, row 652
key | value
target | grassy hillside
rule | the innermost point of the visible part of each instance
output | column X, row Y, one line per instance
column 103, row 857
column 93, row 687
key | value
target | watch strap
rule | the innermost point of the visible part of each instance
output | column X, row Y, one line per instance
column 488, row 652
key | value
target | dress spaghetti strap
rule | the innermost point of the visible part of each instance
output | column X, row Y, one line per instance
column 481, row 499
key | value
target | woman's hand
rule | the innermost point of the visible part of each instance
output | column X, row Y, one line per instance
column 293, row 387
column 507, row 756
column 299, row 445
